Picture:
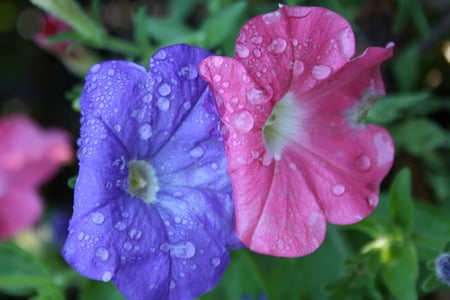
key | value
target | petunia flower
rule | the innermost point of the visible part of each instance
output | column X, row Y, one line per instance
column 292, row 103
column 153, row 210
column 442, row 268
column 29, row 156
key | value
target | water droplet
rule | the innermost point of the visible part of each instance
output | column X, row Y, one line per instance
column 95, row 68
column 256, row 52
column 196, row 152
column 242, row 51
column 277, row 46
column 187, row 105
column 163, row 103
column 107, row 275
column 117, row 128
column 363, row 163
column 102, row 253
column 256, row 39
column 372, row 200
column 217, row 61
column 177, row 220
column 338, row 189
column 293, row 166
column 111, row 72
column 172, row 285
column 298, row 67
column 145, row 131
column 120, row 225
column 242, row 121
column 189, row 72
column 127, row 246
column 320, row 72
column 215, row 262
column 256, row 96
column 271, row 18
column 346, row 42
column 217, row 77
column 160, row 55
column 164, row 247
column 164, row 89
column 97, row 218
column 147, row 98
column 182, row 250
column 81, row 235
column 135, row 234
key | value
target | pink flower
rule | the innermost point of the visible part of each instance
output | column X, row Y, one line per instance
column 292, row 103
column 50, row 26
column 28, row 157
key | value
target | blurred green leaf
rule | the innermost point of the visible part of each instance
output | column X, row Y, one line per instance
column 411, row 11
column 168, row 31
column 419, row 136
column 139, row 24
column 400, row 270
column 393, row 107
column 100, row 290
column 407, row 68
column 401, row 208
column 20, row 272
column 218, row 26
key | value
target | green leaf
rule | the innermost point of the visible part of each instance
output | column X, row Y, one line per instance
column 167, row 31
column 100, row 290
column 393, row 107
column 401, row 207
column 400, row 270
column 139, row 24
column 20, row 272
column 407, row 68
column 419, row 136
column 214, row 29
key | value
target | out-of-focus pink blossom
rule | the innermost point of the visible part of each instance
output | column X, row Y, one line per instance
column 50, row 26
column 29, row 156
column 292, row 103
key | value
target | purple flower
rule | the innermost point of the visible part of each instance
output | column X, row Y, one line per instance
column 153, row 210
column 443, row 268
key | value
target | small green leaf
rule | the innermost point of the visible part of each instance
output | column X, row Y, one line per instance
column 99, row 290
column 400, row 270
column 401, row 207
column 418, row 136
column 214, row 29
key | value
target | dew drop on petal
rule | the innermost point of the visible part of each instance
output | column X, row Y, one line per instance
column 256, row 96
column 217, row 61
column 242, row 51
column 97, row 218
column 338, row 189
column 196, row 152
column 172, row 284
column 160, row 55
column 164, row 89
column 120, row 226
column 163, row 103
column 189, row 72
column 298, row 67
column 277, row 46
column 363, row 163
column 215, row 262
column 95, row 68
column 117, row 128
column 242, row 121
column 145, row 131
column 107, row 275
column 271, row 17
column 372, row 200
column 127, row 246
column 111, row 72
column 164, row 247
column 256, row 39
column 320, row 72
column 183, row 250
column 102, row 253
column 345, row 38
column 187, row 105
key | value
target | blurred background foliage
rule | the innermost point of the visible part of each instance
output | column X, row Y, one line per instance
column 387, row 256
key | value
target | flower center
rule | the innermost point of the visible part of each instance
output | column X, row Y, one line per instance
column 142, row 181
column 282, row 125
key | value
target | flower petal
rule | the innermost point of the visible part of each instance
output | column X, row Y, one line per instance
column 163, row 120
column 323, row 164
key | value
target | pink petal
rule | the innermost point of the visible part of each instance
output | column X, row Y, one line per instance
column 28, row 157
column 20, row 210
column 331, row 165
